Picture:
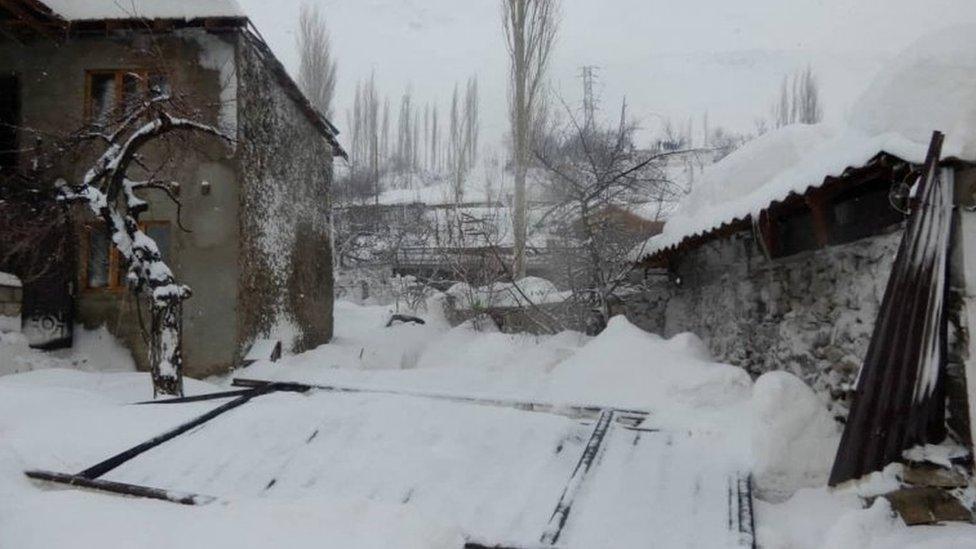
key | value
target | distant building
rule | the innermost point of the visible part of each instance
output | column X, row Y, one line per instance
column 259, row 257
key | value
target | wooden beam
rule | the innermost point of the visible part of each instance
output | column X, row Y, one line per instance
column 817, row 203
column 121, row 488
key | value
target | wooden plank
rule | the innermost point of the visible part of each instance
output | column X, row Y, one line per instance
column 122, row 488
column 561, row 513
column 107, row 465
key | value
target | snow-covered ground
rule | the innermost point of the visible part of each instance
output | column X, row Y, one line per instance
column 390, row 468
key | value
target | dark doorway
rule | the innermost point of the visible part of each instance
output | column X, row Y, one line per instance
column 9, row 120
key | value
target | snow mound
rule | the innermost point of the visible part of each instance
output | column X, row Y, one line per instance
column 89, row 10
column 7, row 279
column 794, row 439
column 691, row 345
column 930, row 86
column 625, row 366
column 93, row 350
column 858, row 528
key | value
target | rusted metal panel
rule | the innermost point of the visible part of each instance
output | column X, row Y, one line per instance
column 899, row 397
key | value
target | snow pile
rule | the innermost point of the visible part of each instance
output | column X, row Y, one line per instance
column 9, row 280
column 931, row 86
column 472, row 359
column 85, row 10
column 794, row 438
column 627, row 367
column 93, row 350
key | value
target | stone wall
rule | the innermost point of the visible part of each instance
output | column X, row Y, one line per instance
column 286, row 284
column 811, row 314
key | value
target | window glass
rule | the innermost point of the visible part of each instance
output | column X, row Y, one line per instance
column 98, row 258
column 103, row 95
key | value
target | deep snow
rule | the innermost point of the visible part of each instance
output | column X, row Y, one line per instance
column 389, row 470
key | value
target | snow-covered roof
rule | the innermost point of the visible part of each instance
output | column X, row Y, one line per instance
column 930, row 86
column 89, row 10
column 7, row 279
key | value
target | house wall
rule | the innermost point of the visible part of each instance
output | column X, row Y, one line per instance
column 10, row 298
column 811, row 313
column 286, row 284
column 52, row 88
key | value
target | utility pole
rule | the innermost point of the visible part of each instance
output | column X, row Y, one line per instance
column 588, row 75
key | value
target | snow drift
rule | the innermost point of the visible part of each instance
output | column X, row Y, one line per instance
column 794, row 439
column 625, row 366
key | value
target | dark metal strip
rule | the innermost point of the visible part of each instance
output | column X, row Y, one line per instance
column 561, row 513
column 121, row 488
column 103, row 467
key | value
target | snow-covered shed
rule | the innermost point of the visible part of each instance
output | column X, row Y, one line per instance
column 780, row 254
column 256, row 252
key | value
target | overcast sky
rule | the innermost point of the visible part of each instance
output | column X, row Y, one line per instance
column 672, row 59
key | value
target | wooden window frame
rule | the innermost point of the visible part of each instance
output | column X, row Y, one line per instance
column 119, row 74
column 116, row 278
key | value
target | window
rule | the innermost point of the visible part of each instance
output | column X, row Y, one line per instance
column 108, row 91
column 103, row 266
column 9, row 119
column 863, row 211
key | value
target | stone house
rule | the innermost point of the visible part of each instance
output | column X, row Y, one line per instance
column 257, row 246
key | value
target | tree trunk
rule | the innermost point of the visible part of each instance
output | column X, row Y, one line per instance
column 166, row 347
column 520, row 141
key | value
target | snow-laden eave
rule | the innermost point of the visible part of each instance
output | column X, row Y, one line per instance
column 836, row 161
column 646, row 253
column 172, row 10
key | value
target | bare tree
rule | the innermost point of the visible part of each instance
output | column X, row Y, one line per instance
column 111, row 191
column 594, row 176
column 317, row 70
column 799, row 100
column 434, row 140
column 463, row 137
column 530, row 31
column 471, row 123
